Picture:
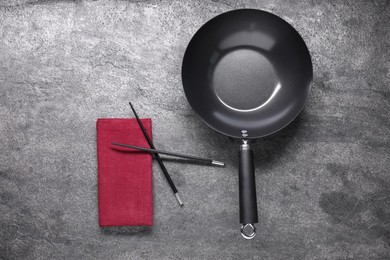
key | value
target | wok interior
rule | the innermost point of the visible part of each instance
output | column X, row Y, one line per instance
column 237, row 77
column 247, row 73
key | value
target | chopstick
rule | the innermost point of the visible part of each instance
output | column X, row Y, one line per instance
column 154, row 151
column 162, row 166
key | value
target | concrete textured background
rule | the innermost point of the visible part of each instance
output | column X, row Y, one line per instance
column 323, row 183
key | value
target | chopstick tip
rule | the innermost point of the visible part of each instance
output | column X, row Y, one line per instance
column 179, row 199
column 218, row 163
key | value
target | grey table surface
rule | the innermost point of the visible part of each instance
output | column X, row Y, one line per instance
column 323, row 183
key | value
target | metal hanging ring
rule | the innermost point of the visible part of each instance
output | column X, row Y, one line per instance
column 244, row 234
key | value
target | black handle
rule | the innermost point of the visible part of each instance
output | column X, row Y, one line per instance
column 247, row 183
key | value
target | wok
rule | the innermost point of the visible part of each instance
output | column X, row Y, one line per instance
column 247, row 74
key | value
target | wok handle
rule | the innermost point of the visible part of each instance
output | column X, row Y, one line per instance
column 247, row 191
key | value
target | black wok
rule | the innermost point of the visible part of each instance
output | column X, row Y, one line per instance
column 247, row 74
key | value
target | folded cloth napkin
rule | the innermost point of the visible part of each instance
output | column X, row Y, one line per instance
column 125, row 195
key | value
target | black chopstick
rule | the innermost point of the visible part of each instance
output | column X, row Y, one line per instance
column 173, row 187
column 209, row 161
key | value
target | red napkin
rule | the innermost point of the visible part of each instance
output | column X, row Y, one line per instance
column 125, row 194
